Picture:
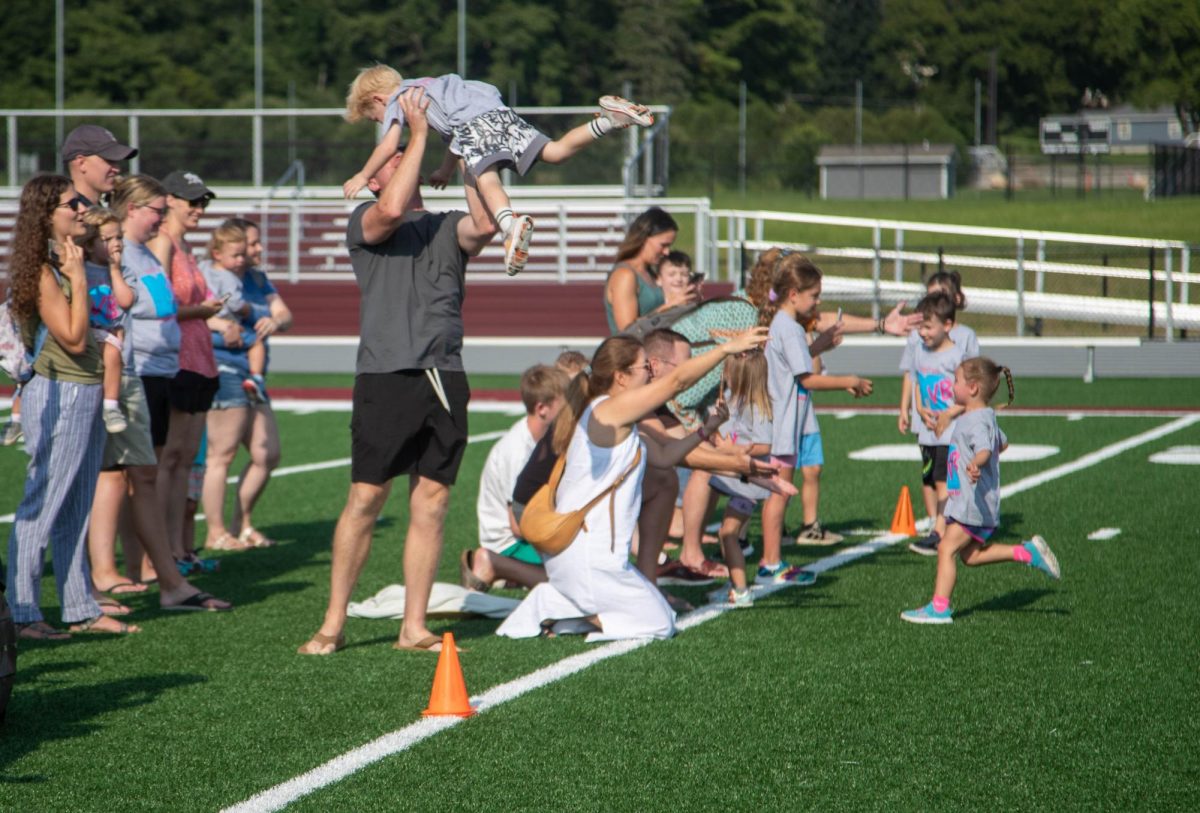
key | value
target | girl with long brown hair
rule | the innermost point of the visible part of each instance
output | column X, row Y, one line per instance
column 61, row 406
column 592, row 585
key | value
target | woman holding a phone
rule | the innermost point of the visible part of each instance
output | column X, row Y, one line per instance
column 633, row 289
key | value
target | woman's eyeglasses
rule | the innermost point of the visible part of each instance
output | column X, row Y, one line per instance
column 74, row 204
column 161, row 211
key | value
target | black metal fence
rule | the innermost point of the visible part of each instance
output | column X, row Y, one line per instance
column 1176, row 171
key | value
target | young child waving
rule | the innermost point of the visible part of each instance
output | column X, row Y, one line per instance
column 482, row 132
column 973, row 509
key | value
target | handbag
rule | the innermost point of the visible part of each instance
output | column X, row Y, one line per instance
column 551, row 532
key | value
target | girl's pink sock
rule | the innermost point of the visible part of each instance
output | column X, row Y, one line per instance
column 1021, row 554
column 940, row 604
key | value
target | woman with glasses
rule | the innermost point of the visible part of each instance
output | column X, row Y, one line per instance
column 61, row 404
column 632, row 289
column 195, row 384
column 593, row 587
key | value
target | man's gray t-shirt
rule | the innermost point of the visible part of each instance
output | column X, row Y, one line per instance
column 413, row 285
column 933, row 375
column 788, row 357
column 975, row 503
column 453, row 101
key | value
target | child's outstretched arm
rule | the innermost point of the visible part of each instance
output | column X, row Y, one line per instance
column 384, row 150
column 980, row 460
column 906, row 391
column 858, row 385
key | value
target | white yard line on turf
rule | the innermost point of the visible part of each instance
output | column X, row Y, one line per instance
column 340, row 767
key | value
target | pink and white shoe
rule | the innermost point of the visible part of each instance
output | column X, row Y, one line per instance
column 622, row 112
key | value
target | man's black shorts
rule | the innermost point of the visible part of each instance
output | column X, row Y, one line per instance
column 400, row 427
column 934, row 460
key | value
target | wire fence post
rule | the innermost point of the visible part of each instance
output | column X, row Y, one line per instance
column 1020, row 286
column 876, row 242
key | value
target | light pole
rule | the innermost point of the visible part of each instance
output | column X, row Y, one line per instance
column 462, row 38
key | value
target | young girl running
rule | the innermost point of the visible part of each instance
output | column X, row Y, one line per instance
column 794, row 298
column 973, row 510
column 913, row 411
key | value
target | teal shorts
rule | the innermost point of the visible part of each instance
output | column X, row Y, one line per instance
column 522, row 551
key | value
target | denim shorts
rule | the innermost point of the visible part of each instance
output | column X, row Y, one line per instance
column 230, row 393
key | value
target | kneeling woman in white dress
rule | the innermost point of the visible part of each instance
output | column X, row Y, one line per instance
column 592, row 585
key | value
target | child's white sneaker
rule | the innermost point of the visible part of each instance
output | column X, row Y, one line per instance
column 255, row 389
column 622, row 112
column 114, row 421
column 516, row 247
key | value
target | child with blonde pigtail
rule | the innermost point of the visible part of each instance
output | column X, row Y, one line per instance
column 973, row 481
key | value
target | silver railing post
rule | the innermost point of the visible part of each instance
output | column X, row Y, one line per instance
column 898, row 265
column 562, row 243
column 294, row 241
column 876, row 243
column 135, row 141
column 14, row 177
column 1020, row 286
column 257, row 149
column 1168, row 292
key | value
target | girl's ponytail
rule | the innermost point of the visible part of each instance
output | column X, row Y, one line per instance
column 1011, row 390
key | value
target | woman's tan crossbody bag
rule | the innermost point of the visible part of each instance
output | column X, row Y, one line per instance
column 551, row 532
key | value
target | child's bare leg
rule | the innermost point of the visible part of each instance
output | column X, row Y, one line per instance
column 697, row 502
column 493, row 194
column 112, row 371
column 931, row 501
column 988, row 554
column 943, row 495
column 731, row 548
column 773, row 512
column 810, row 492
column 571, row 143
column 954, row 540
column 256, row 356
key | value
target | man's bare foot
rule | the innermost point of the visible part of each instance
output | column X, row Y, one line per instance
column 420, row 641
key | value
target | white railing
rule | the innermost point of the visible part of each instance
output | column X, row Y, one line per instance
column 735, row 231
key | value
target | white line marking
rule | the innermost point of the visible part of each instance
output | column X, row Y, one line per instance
column 1178, row 456
column 1104, row 533
column 911, row 452
column 1092, row 458
column 342, row 766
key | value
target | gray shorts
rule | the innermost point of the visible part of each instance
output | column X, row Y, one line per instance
column 133, row 447
column 496, row 139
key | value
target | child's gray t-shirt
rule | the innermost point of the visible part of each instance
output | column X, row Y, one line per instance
column 787, row 357
column 961, row 335
column 975, row 503
column 453, row 101
column 933, row 375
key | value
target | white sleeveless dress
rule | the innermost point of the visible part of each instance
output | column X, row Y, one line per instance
column 594, row 576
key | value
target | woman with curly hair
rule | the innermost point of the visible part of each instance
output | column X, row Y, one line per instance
column 64, row 435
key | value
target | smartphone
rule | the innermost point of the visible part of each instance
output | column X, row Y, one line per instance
column 225, row 299
column 696, row 278
column 839, row 316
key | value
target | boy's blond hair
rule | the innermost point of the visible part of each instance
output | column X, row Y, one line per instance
column 223, row 235
column 377, row 79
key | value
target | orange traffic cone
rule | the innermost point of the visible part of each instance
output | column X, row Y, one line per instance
column 902, row 520
column 449, row 694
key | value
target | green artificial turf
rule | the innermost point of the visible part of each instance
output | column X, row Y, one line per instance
column 1076, row 695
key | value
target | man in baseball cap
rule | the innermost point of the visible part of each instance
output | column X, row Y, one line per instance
column 188, row 186
column 91, row 154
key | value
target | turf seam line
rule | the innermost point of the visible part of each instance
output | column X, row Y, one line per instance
column 394, row 742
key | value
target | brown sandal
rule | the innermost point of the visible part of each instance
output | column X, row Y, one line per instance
column 323, row 641
column 226, row 541
column 41, row 631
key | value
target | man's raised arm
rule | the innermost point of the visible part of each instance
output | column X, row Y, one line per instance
column 395, row 199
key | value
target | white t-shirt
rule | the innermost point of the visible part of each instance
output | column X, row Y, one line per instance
column 504, row 463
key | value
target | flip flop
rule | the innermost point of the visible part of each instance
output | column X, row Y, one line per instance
column 112, row 607
column 41, row 631
column 130, row 588
column 226, row 541
column 338, row 643
column 426, row 644
column 89, row 627
column 197, row 603
column 467, row 575
column 252, row 538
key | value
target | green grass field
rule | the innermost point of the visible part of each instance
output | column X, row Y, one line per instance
column 1080, row 694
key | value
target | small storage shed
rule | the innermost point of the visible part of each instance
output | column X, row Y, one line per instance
column 887, row 171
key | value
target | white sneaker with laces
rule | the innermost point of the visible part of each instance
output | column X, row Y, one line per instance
column 516, row 247
column 114, row 421
column 622, row 112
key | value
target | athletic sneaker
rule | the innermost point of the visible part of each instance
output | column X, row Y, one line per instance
column 784, row 573
column 1043, row 558
column 254, row 389
column 677, row 573
column 730, row 596
column 928, row 615
column 622, row 112
column 12, row 433
column 747, row 548
column 816, row 535
column 927, row 546
column 114, row 421
column 516, row 246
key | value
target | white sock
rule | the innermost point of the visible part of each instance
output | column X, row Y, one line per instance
column 111, row 403
column 599, row 126
column 504, row 219
column 15, row 417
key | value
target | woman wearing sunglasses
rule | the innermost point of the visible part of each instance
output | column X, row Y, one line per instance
column 64, row 435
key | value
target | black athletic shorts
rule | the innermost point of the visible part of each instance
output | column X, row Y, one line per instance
column 192, row 392
column 158, row 402
column 934, row 460
column 399, row 426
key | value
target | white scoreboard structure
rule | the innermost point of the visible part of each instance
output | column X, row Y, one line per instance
column 1067, row 135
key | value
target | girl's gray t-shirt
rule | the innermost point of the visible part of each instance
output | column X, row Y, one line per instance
column 788, row 357
column 975, row 503
column 961, row 335
column 933, row 375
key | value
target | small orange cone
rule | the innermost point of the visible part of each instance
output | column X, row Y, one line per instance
column 902, row 520
column 449, row 694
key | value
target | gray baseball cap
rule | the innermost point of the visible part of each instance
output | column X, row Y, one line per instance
column 92, row 139
column 187, row 185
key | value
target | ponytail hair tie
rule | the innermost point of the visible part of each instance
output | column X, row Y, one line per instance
column 771, row 297
column 587, row 370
